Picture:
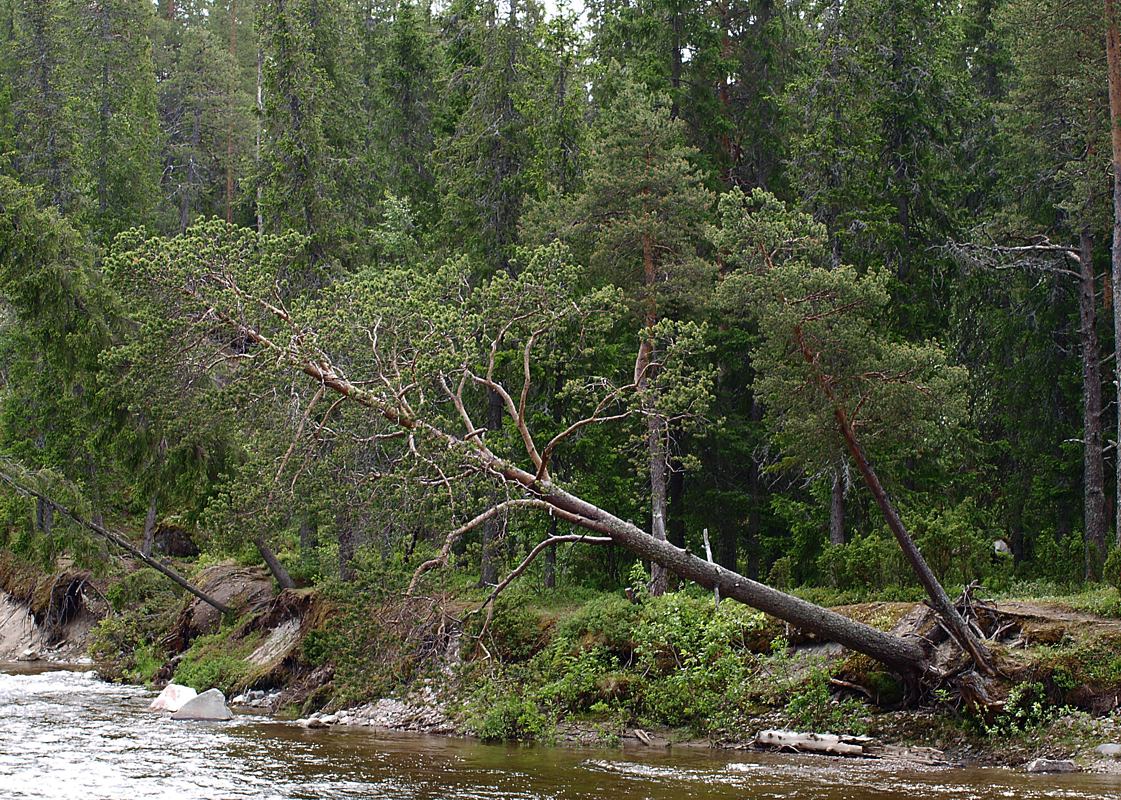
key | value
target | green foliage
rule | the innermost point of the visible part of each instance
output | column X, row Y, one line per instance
column 1112, row 570
column 1026, row 708
column 125, row 644
column 868, row 562
column 217, row 661
column 669, row 660
column 813, row 708
column 507, row 718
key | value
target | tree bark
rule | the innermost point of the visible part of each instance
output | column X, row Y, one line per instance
column 1113, row 60
column 904, row 655
column 655, row 424
column 837, row 509
column 492, row 528
column 550, row 579
column 675, row 526
column 309, row 534
column 283, row 579
column 1093, row 471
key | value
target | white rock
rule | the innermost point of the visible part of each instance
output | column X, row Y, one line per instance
column 1049, row 765
column 1110, row 750
column 329, row 719
column 210, row 705
column 314, row 722
column 172, row 698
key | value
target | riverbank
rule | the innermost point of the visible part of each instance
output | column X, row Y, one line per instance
column 592, row 669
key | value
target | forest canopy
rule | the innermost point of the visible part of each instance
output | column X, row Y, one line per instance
column 342, row 283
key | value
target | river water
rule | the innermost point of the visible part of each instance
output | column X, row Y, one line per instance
column 69, row 736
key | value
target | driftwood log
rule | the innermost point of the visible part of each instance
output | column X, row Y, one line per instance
column 827, row 743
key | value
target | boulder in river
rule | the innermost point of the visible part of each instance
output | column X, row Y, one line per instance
column 1042, row 765
column 210, row 705
column 172, row 698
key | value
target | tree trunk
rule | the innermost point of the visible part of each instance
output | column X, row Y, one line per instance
column 44, row 516
column 904, row 655
column 656, row 444
column 188, row 193
column 150, row 525
column 675, row 527
column 309, row 534
column 1093, row 471
column 1113, row 59
column 655, row 424
column 273, row 563
column 940, row 601
column 837, row 509
column 260, row 130
column 347, row 541
column 117, row 539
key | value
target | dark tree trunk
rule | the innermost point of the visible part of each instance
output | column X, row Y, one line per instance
column 44, row 516
column 1093, row 477
column 229, row 124
column 655, row 423
column 676, row 529
column 309, row 534
column 273, row 563
column 347, row 539
column 1113, row 59
column 656, row 444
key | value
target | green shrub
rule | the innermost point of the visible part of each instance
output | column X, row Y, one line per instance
column 870, row 562
column 121, row 649
column 1112, row 573
column 814, row 709
column 516, row 633
column 223, row 672
column 1026, row 709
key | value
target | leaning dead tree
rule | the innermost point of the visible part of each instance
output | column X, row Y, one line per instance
column 10, row 476
column 431, row 348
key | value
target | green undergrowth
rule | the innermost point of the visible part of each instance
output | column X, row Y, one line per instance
column 664, row 662
column 218, row 660
column 125, row 644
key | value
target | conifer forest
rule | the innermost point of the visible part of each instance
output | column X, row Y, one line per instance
column 529, row 328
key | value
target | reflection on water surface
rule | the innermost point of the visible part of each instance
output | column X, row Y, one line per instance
column 67, row 735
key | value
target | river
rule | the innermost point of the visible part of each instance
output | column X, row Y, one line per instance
column 67, row 735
